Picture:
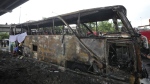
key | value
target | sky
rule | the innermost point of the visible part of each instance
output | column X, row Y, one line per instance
column 138, row 11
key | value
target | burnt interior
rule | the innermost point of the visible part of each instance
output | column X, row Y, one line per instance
column 120, row 56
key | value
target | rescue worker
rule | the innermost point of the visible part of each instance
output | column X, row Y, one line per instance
column 145, row 47
column 15, row 50
column 18, row 50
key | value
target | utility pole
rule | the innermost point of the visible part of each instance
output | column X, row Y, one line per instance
column 19, row 15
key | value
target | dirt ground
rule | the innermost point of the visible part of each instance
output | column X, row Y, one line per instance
column 18, row 70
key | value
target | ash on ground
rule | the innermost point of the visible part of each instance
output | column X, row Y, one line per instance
column 23, row 70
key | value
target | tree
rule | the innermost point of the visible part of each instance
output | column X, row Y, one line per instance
column 4, row 35
column 102, row 26
column 105, row 26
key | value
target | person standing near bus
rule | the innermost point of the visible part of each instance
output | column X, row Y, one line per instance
column 2, row 44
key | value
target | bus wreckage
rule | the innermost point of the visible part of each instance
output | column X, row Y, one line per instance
column 75, row 42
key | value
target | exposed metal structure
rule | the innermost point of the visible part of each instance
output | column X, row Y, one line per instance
column 114, row 55
column 98, row 14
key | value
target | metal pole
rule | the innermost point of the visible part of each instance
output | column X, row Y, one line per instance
column 78, row 23
column 53, row 26
column 96, row 26
column 15, row 31
column 19, row 15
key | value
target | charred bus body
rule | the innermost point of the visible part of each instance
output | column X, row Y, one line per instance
column 109, row 54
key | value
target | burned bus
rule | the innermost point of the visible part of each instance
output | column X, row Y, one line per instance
column 78, row 41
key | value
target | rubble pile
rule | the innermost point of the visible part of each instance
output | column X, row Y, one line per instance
column 23, row 70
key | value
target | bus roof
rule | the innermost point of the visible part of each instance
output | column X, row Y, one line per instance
column 88, row 15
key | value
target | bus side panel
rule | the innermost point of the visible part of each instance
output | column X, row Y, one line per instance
column 46, row 48
column 74, row 50
column 58, row 48
column 97, row 46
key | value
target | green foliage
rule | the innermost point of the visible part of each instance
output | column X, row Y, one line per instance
column 102, row 26
column 4, row 35
column 105, row 26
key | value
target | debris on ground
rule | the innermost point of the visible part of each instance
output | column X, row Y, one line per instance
column 23, row 70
